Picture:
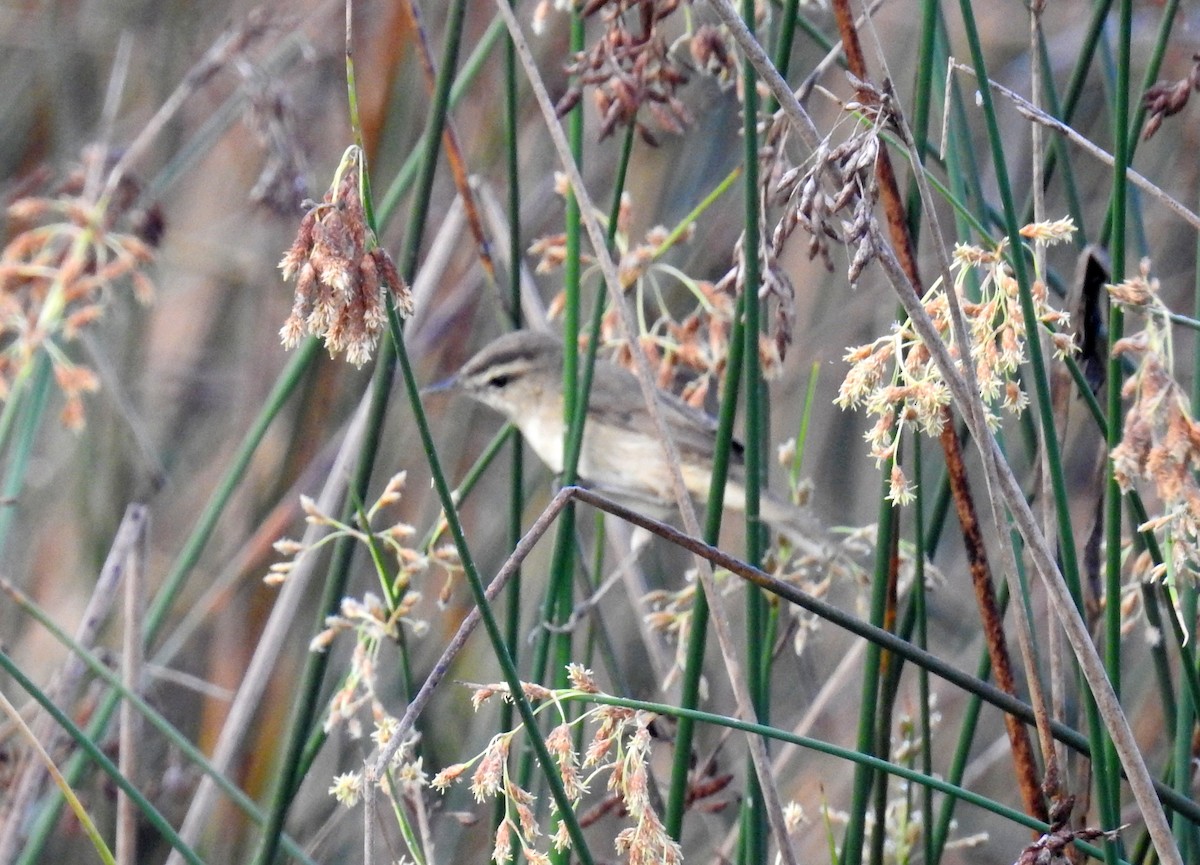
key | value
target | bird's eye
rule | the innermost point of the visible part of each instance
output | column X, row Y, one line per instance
column 499, row 381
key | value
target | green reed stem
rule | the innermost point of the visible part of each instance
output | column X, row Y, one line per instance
column 495, row 635
column 697, row 635
column 1050, row 439
column 1107, row 776
column 173, row 583
column 471, row 68
column 754, row 814
column 28, row 404
column 305, row 710
column 558, row 602
column 939, row 829
column 96, row 754
column 865, row 742
column 516, row 492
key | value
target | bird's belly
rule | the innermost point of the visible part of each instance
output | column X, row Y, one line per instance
column 626, row 464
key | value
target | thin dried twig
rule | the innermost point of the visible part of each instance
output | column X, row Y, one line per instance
column 1032, row 112
column 646, row 379
column 132, row 677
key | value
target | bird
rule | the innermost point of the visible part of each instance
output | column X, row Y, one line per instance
column 519, row 374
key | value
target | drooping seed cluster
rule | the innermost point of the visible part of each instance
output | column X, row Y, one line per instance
column 61, row 271
column 341, row 272
column 1160, row 441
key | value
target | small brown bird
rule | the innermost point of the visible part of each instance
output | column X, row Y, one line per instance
column 520, row 375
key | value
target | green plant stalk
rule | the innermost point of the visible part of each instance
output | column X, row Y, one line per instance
column 1187, row 657
column 939, row 829
column 1159, row 657
column 810, row 396
column 97, row 755
column 1133, row 126
column 305, row 709
column 188, row 750
column 922, row 89
column 560, row 592
column 1185, row 831
column 471, row 68
column 575, row 430
column 289, row 379
column 1110, row 777
column 516, row 496
column 412, row 842
column 1069, row 560
column 1058, row 149
column 1079, row 75
column 847, row 754
column 689, row 695
column 922, row 616
column 492, row 627
column 864, row 774
column 883, row 638
column 754, row 812
column 962, row 166
column 30, row 405
column 887, row 689
column 783, row 45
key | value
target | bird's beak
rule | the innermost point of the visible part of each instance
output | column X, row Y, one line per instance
column 444, row 386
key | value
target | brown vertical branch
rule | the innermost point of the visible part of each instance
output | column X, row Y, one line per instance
column 893, row 206
column 454, row 157
column 993, row 623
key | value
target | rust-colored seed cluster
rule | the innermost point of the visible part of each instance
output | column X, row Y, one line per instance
column 58, row 275
column 341, row 273
column 1160, row 441
column 1169, row 97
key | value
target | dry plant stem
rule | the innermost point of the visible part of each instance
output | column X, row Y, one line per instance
column 62, row 691
column 108, row 116
column 429, row 282
column 454, row 157
column 280, row 624
column 646, row 380
column 533, row 309
column 1032, row 112
column 993, row 622
column 1005, row 484
column 1055, row 785
column 132, row 670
